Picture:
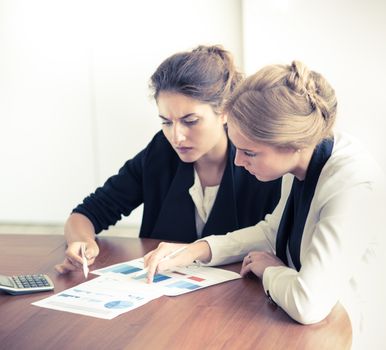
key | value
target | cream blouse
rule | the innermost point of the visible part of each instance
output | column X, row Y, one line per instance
column 203, row 200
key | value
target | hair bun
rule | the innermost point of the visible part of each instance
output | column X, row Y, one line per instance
column 303, row 81
column 216, row 49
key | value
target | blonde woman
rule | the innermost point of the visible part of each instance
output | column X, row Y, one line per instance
column 317, row 247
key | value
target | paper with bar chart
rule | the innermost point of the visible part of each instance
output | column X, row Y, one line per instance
column 119, row 288
column 174, row 282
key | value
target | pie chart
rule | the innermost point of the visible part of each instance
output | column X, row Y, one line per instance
column 118, row 304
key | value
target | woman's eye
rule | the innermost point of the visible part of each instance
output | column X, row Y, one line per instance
column 190, row 122
column 250, row 154
column 184, row 122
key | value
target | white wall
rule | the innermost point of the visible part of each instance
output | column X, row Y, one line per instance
column 45, row 145
column 74, row 98
column 74, row 101
column 345, row 40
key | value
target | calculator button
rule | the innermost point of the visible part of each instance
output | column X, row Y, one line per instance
column 27, row 281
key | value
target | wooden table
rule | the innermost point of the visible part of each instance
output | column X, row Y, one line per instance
column 232, row 315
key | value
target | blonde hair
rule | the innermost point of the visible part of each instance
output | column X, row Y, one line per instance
column 284, row 106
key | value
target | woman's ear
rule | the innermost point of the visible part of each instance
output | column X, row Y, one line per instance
column 224, row 118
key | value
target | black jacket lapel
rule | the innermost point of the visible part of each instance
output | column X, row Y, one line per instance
column 178, row 208
column 295, row 213
column 223, row 217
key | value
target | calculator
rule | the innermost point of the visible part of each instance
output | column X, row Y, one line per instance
column 24, row 284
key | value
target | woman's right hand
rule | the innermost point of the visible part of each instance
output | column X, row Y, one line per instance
column 157, row 260
column 73, row 260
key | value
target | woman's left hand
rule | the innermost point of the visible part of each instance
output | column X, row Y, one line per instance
column 257, row 262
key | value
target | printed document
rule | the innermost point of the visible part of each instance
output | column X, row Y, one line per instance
column 104, row 297
column 174, row 282
column 119, row 288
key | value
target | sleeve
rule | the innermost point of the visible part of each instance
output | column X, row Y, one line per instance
column 119, row 195
column 233, row 246
column 338, row 242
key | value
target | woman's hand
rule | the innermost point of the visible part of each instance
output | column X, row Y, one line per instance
column 73, row 260
column 257, row 262
column 157, row 260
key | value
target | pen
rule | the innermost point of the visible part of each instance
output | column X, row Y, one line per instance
column 84, row 259
column 167, row 257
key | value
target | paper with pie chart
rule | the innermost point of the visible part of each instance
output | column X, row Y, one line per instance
column 104, row 297
column 118, row 289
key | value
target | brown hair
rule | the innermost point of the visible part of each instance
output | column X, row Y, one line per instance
column 284, row 106
column 207, row 74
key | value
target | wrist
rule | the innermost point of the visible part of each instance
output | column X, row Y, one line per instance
column 200, row 251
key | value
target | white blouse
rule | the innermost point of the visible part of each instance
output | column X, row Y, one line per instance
column 203, row 200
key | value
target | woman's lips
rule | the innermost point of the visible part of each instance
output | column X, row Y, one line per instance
column 183, row 149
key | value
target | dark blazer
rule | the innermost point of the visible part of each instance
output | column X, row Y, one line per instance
column 158, row 178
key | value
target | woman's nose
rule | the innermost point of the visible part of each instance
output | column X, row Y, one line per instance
column 178, row 134
column 239, row 159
